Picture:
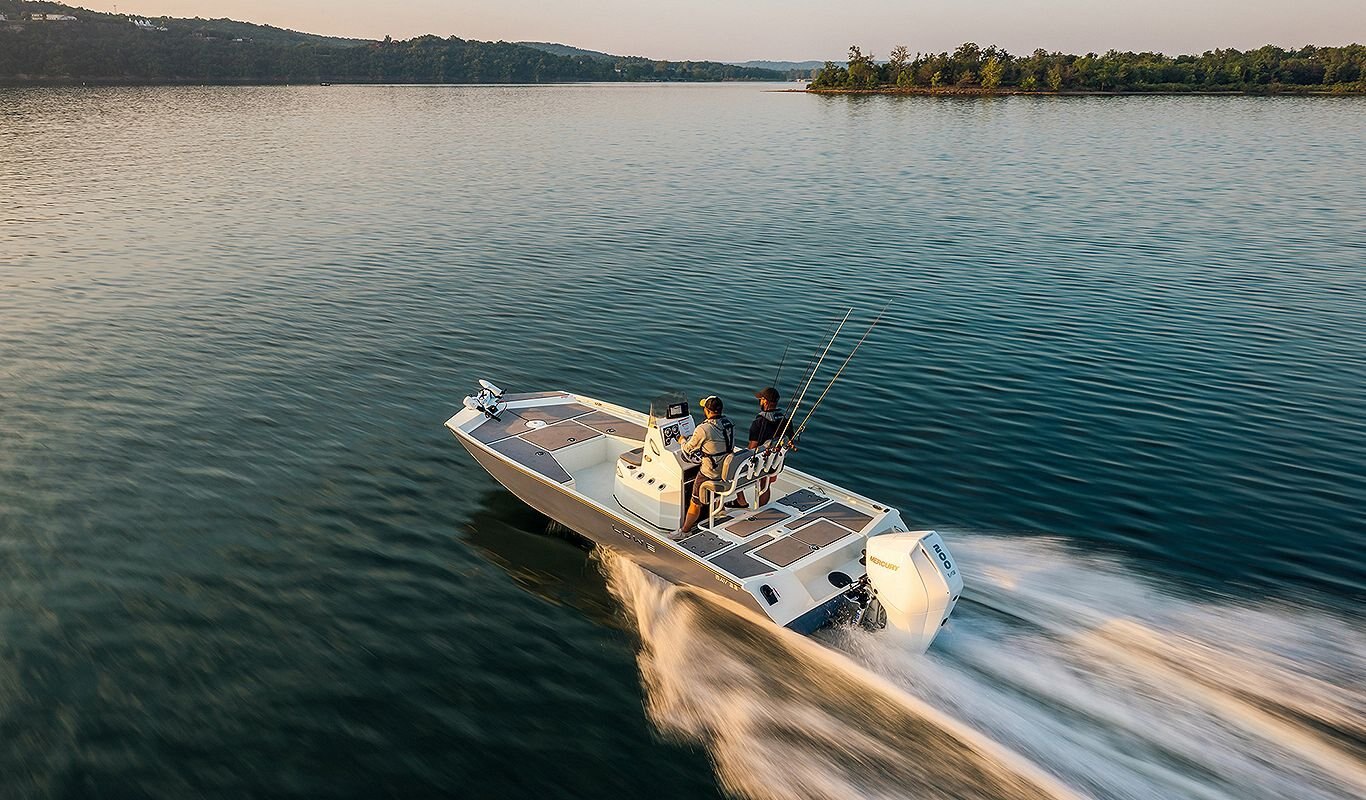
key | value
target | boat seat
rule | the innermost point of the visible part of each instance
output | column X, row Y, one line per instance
column 632, row 457
column 718, row 490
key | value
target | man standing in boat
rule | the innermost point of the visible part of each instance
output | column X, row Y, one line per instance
column 764, row 429
column 713, row 440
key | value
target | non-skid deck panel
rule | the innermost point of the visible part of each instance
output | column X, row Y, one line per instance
column 491, row 430
column 553, row 437
column 738, row 562
column 537, row 459
column 822, row 533
column 704, row 544
column 633, row 457
column 610, row 423
column 803, row 500
column 840, row 513
column 557, row 412
column 785, row 551
column 519, row 396
column 754, row 523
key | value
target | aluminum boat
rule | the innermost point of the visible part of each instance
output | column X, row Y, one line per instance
column 814, row 553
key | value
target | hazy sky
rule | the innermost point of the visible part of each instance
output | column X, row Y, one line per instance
column 735, row 30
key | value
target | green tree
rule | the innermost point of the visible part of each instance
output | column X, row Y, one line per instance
column 863, row 72
column 896, row 63
column 991, row 73
column 830, row 76
column 1055, row 78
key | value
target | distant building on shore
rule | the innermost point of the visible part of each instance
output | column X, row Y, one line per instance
column 51, row 18
column 147, row 25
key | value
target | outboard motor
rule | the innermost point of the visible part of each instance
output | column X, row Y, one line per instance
column 916, row 582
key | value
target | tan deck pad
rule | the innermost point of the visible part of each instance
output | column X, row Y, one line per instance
column 839, row 512
column 553, row 437
column 738, row 562
column 534, row 458
column 785, row 551
column 822, row 533
column 803, row 500
column 612, row 424
column 557, row 412
column 491, row 430
column 754, row 523
column 705, row 543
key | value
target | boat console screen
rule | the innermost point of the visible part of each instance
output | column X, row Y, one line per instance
column 677, row 410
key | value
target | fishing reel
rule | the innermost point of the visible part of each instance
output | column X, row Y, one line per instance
column 488, row 402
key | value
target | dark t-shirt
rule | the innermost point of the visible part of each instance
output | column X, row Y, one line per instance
column 766, row 425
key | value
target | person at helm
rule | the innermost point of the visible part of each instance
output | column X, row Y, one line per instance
column 713, row 440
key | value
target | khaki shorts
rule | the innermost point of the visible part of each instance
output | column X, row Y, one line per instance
column 697, row 490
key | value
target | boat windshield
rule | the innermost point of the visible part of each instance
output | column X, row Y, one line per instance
column 670, row 405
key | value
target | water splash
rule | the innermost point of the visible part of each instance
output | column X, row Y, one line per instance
column 1062, row 675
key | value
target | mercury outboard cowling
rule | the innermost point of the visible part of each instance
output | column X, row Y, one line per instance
column 916, row 582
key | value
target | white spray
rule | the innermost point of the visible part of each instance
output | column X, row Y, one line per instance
column 1060, row 675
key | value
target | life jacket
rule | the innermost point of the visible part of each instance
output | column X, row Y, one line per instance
column 727, row 432
column 777, row 421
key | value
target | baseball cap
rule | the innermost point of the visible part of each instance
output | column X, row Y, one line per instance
column 767, row 393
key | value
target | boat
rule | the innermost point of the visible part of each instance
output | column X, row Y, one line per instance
column 814, row 554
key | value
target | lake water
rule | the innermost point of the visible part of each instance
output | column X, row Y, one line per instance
column 1123, row 371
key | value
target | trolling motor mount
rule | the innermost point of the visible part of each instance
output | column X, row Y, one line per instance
column 489, row 401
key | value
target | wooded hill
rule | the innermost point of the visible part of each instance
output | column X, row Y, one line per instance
column 111, row 48
column 1267, row 69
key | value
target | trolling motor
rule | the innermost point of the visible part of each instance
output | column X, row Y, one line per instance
column 488, row 402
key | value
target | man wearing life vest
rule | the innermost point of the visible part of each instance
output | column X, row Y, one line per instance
column 713, row 440
column 767, row 424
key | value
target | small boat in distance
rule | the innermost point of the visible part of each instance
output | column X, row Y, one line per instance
column 814, row 553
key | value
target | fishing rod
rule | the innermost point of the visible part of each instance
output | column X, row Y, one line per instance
column 806, row 370
column 840, row 371
column 781, row 362
column 811, row 379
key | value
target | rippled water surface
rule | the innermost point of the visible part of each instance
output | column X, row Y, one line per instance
column 1124, row 372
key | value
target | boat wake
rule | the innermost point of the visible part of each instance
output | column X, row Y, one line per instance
column 1059, row 676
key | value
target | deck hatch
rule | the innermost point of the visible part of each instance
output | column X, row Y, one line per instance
column 822, row 533
column 738, row 562
column 537, row 459
column 553, row 437
column 757, row 522
column 839, row 513
column 803, row 500
column 491, row 430
column 785, row 551
column 705, row 543
column 550, row 414
column 609, row 423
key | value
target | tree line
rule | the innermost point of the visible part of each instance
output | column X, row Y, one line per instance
column 1266, row 69
column 106, row 48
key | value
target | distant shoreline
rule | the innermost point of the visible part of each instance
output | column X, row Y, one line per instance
column 12, row 82
column 972, row 91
